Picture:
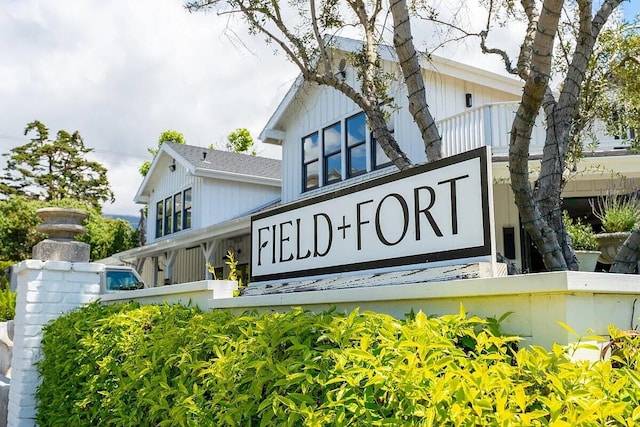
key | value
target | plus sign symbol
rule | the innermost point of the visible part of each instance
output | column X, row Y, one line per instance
column 344, row 227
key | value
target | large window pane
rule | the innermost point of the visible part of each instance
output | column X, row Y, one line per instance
column 167, row 216
column 310, row 146
column 310, row 162
column 311, row 175
column 187, row 209
column 332, row 167
column 356, row 130
column 177, row 212
column 332, row 149
column 357, row 159
column 331, row 139
column 159, row 218
column 356, row 148
column 380, row 159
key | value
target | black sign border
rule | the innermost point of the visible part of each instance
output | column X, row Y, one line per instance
column 471, row 252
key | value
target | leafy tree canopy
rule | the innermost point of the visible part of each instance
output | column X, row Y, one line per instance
column 616, row 94
column 54, row 169
column 18, row 222
column 240, row 141
column 166, row 136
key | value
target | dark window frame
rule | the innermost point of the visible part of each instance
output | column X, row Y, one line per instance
column 374, row 157
column 306, row 163
column 351, row 147
column 159, row 218
column 347, row 149
column 177, row 212
column 173, row 213
column 328, row 155
column 168, row 215
column 186, row 216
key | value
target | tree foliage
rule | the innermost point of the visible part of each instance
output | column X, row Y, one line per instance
column 18, row 222
column 166, row 136
column 299, row 32
column 240, row 141
column 54, row 169
column 615, row 82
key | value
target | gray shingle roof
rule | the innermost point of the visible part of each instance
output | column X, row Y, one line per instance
column 225, row 161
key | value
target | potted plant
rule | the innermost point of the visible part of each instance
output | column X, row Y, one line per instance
column 583, row 239
column 619, row 212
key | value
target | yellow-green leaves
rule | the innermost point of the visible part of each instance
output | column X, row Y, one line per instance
column 174, row 366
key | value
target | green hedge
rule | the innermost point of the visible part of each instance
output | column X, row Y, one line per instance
column 7, row 304
column 128, row 365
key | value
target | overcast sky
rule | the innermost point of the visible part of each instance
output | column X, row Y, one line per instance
column 121, row 72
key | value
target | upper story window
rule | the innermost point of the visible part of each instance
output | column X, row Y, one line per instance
column 356, row 145
column 159, row 218
column 310, row 162
column 332, row 153
column 186, row 217
column 344, row 154
column 173, row 214
column 379, row 160
column 177, row 212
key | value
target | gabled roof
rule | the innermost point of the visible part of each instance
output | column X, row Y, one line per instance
column 272, row 133
column 206, row 159
column 210, row 163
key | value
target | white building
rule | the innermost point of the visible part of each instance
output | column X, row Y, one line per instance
column 200, row 201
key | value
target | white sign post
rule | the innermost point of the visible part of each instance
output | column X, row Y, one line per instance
column 434, row 213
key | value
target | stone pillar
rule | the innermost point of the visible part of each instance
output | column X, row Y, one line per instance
column 46, row 289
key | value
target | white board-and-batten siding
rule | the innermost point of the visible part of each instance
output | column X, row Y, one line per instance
column 315, row 108
column 221, row 200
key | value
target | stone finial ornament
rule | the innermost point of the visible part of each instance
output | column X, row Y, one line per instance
column 61, row 225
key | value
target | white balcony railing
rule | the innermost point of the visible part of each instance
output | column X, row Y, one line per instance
column 490, row 125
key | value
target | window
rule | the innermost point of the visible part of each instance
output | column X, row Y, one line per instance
column 167, row 216
column 380, row 160
column 186, row 218
column 310, row 167
column 159, row 218
column 356, row 145
column 343, row 154
column 173, row 214
column 177, row 212
column 332, row 153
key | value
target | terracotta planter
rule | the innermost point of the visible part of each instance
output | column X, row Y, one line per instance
column 609, row 244
column 587, row 260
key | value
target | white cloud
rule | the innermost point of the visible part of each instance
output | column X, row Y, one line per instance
column 123, row 72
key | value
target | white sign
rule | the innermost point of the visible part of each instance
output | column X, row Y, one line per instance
column 434, row 212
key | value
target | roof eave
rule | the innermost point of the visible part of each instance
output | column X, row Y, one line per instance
column 238, row 177
column 186, row 239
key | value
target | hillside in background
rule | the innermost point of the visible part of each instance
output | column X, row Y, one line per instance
column 134, row 220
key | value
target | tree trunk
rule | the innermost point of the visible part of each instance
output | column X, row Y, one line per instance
column 412, row 71
column 534, row 91
column 626, row 261
column 561, row 122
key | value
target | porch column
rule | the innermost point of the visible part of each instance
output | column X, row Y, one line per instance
column 170, row 257
column 207, row 251
column 156, row 266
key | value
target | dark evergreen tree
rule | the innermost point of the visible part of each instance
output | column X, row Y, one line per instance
column 48, row 170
